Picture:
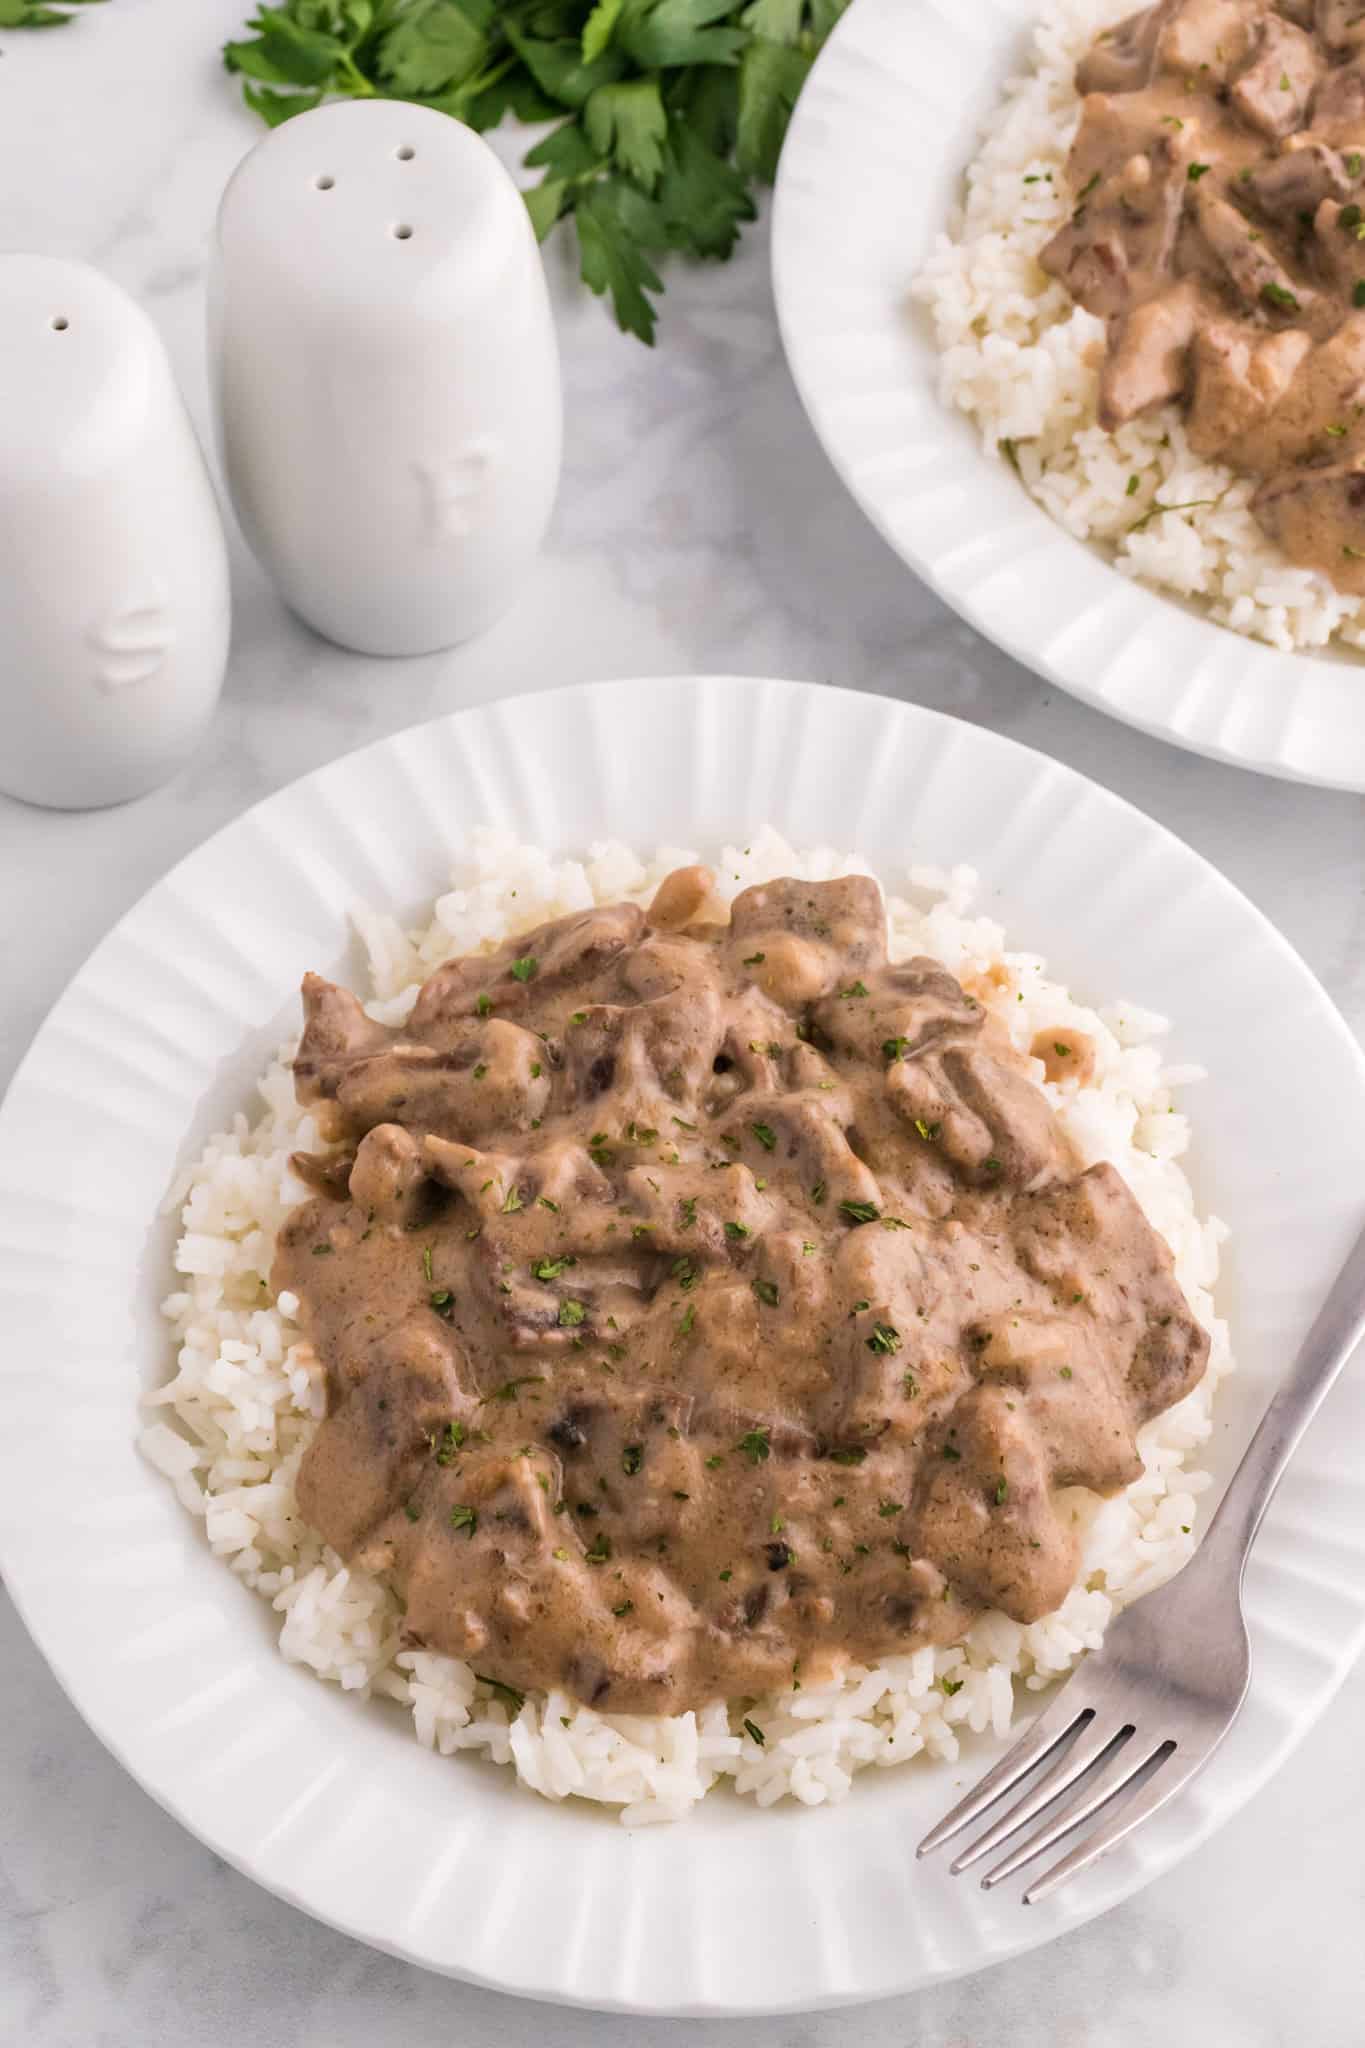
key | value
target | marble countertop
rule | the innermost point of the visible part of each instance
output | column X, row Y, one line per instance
column 699, row 527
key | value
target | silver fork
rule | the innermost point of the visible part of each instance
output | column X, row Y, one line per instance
column 1147, row 1710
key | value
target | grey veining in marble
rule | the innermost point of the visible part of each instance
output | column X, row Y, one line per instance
column 699, row 527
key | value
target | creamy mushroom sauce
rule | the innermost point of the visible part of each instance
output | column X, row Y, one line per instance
column 704, row 1304
column 1219, row 230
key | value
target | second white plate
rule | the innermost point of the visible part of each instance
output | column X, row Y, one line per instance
column 329, row 1802
column 871, row 169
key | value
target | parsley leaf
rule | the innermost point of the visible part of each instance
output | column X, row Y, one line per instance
column 616, row 225
column 35, row 14
column 627, row 123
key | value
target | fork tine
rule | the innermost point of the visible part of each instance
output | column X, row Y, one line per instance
column 1159, row 1786
column 1052, row 1726
column 1090, row 1747
column 1118, row 1776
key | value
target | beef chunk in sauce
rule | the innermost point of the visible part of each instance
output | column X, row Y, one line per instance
column 701, row 1301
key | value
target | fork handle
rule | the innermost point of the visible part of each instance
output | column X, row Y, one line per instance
column 1337, row 1330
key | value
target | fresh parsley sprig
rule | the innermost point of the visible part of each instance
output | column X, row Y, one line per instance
column 667, row 111
column 37, row 13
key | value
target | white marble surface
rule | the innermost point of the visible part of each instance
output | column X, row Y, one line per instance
column 699, row 527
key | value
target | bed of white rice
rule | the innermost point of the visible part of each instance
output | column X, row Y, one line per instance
column 1023, row 361
column 229, row 1428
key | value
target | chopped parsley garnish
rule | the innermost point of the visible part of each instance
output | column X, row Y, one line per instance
column 550, row 1269
column 755, row 1446
column 464, row 1518
column 952, row 1685
column 685, row 1273
column 323, row 1251
column 755, row 959
column 525, row 969
column 443, row 1301
column 1280, row 297
column 766, row 1290
column 579, row 1017
column 1084, row 194
column 412, row 1511
column 687, row 1319
column 910, row 1385
column 599, row 1150
column 1065, row 1372
column 951, row 1452
column 546, row 1203
column 738, row 1230
column 1153, row 511
column 509, row 1389
column 449, row 1442
column 854, row 989
column 632, row 1458
column 818, row 1192
column 687, row 1210
column 535, row 1070
column 571, row 1314
column 1198, row 171
column 895, row 1048
column 1131, row 488
column 484, row 1006
column 852, row 1454
column 765, row 1134
column 1353, row 554
column 508, row 1694
column 683, row 1124
column 929, row 1132
column 859, row 1212
column 601, row 1549
column 626, row 1607
column 426, row 1264
column 885, row 1338
column 511, row 1203
column 1354, row 162
column 994, row 1166
column 755, row 1733
column 725, row 1576
column 1002, row 1491
column 887, row 1508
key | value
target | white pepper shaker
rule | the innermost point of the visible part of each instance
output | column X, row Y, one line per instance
column 113, row 571
column 386, row 374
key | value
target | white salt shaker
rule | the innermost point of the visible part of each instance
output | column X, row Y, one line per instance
column 386, row 374
column 113, row 571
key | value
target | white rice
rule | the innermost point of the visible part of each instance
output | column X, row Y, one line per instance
column 246, row 1393
column 1023, row 361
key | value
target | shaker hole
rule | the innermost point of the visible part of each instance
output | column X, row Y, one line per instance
column 403, row 232
column 406, row 153
column 325, row 182
column 59, row 323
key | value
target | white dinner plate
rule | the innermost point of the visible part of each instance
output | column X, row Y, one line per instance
column 328, row 1801
column 872, row 166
